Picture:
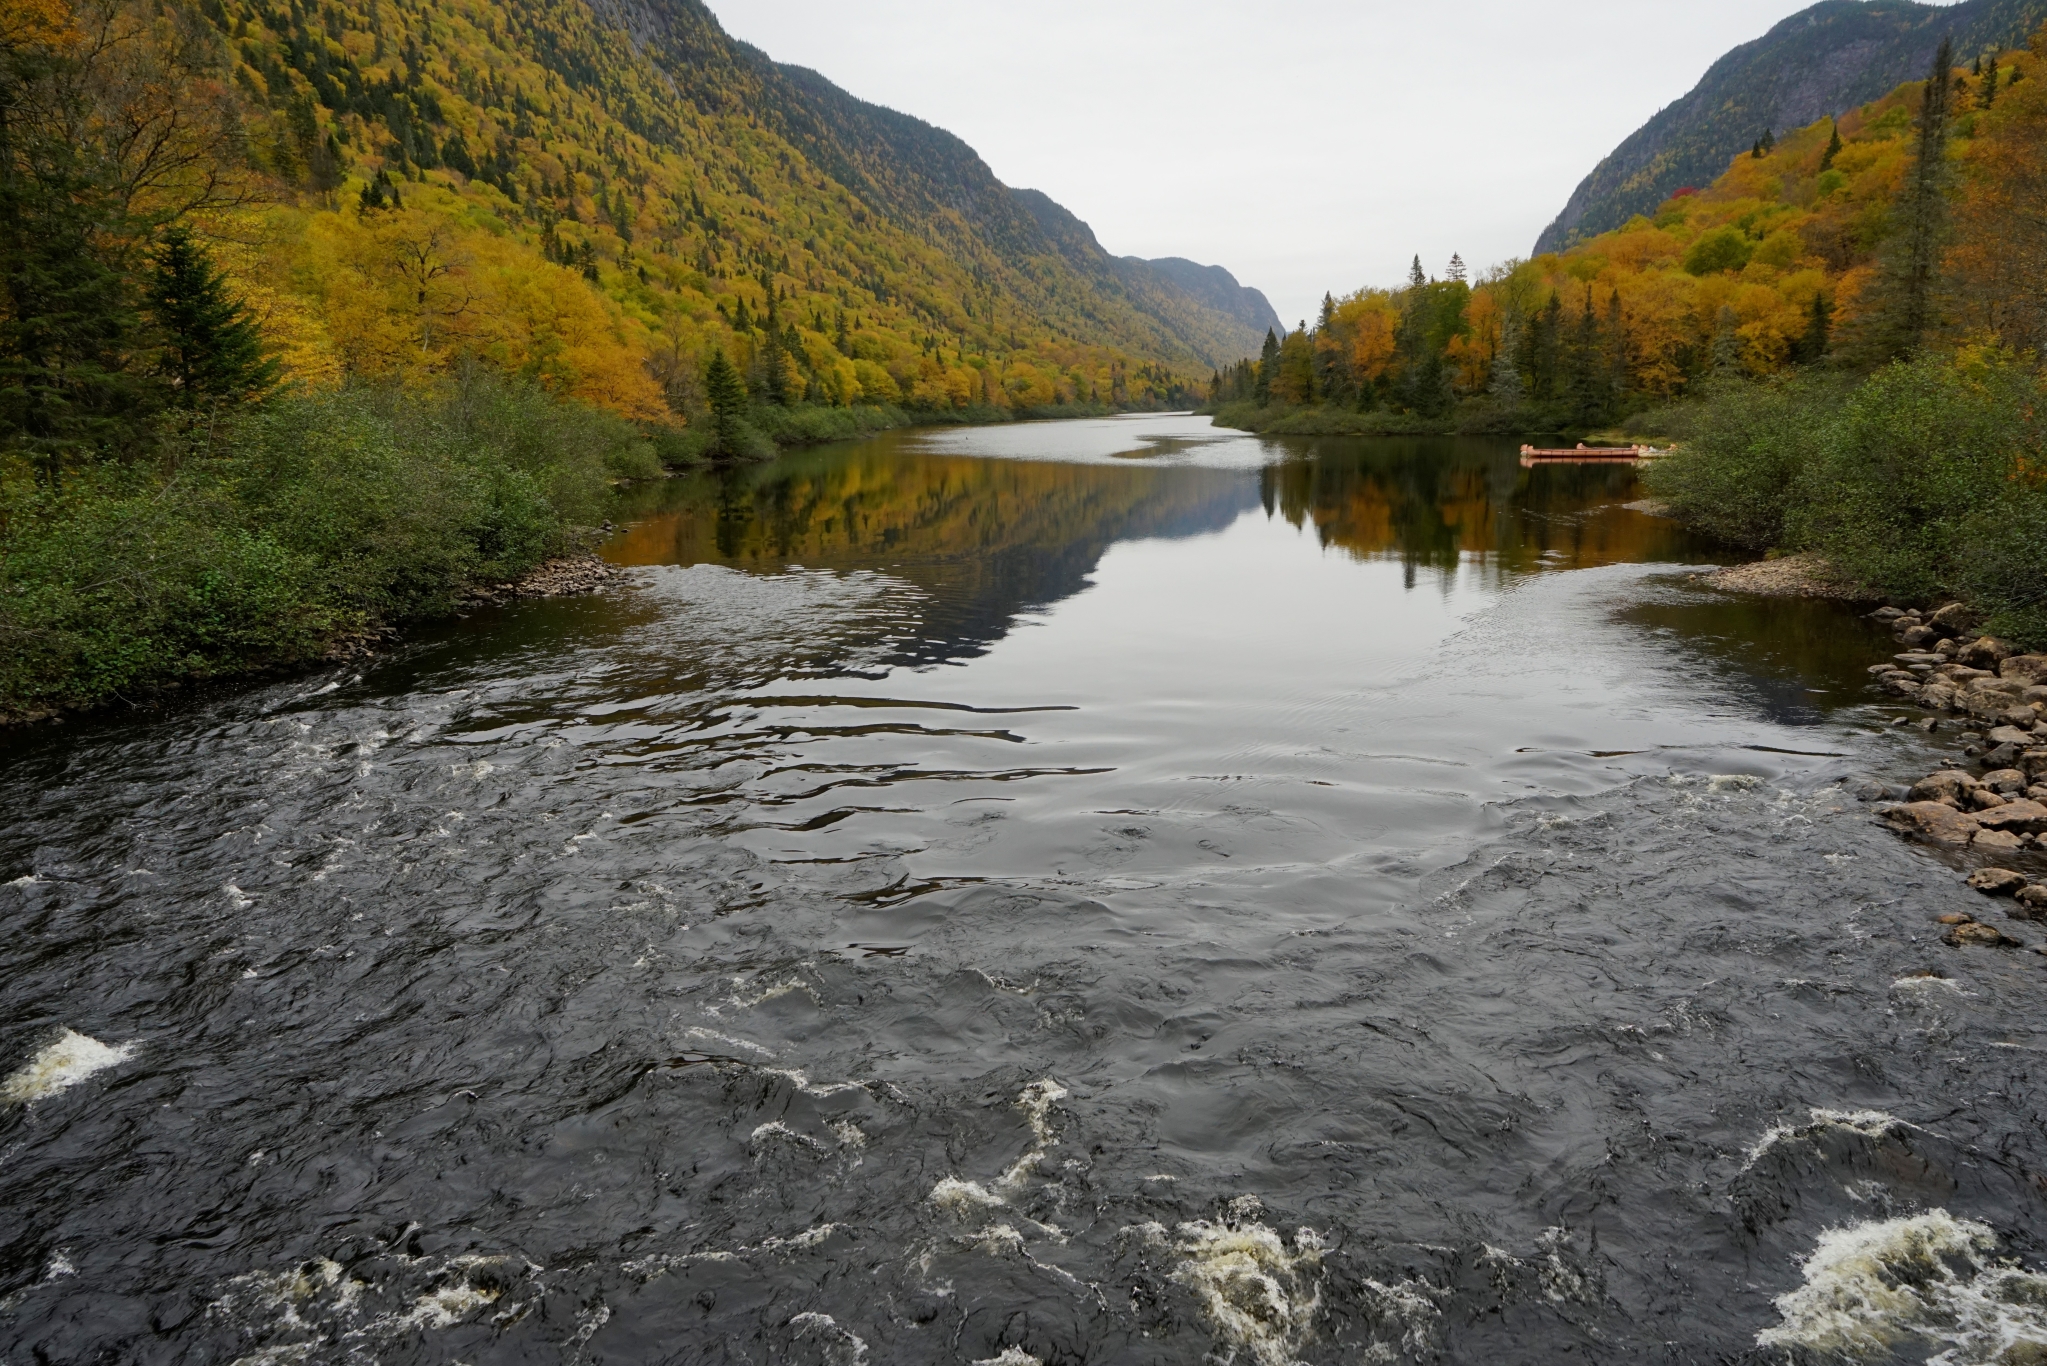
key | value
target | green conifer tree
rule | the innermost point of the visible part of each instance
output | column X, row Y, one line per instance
column 1268, row 369
column 68, row 320
column 1833, row 148
column 1811, row 348
column 726, row 394
column 1910, row 265
column 210, row 350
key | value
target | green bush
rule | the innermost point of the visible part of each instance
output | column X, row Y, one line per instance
column 1746, row 450
column 1926, row 481
column 262, row 539
column 1921, row 464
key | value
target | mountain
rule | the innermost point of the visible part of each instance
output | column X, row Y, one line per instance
column 1832, row 57
column 615, row 187
column 1219, row 289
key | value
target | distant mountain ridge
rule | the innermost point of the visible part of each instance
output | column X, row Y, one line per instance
column 1824, row 60
column 924, row 179
column 1219, row 290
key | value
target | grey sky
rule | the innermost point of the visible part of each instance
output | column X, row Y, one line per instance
column 1304, row 144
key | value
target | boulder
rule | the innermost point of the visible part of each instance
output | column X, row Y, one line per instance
column 1939, row 696
column 1997, row 881
column 1985, row 703
column 1917, row 637
column 1948, row 785
column 1997, row 842
column 2001, row 756
column 2034, row 695
column 2009, row 781
column 1983, row 799
column 1953, row 918
column 1952, row 619
column 1947, row 649
column 2021, row 816
column 1887, row 614
column 1935, row 822
column 2010, row 735
column 1980, row 935
column 2029, row 670
column 2019, row 718
column 1901, row 685
column 2034, row 764
column 2034, row 898
column 1984, row 652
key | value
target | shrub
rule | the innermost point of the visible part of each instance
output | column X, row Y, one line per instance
column 262, row 539
column 1747, row 449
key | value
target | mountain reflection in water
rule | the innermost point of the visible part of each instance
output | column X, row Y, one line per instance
column 1111, row 891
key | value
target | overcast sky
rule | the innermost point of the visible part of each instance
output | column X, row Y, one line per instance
column 1304, row 144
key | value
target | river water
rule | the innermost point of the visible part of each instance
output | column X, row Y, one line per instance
column 1111, row 891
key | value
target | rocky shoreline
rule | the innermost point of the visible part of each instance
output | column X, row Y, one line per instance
column 1789, row 576
column 568, row 576
column 1996, row 699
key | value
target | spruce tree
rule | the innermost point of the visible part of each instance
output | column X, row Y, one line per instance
column 211, row 351
column 1415, row 278
column 1811, row 348
column 1986, row 95
column 68, row 321
column 726, row 393
column 1268, row 367
column 1906, row 284
column 1833, row 148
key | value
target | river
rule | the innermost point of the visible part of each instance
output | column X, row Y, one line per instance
column 1108, row 891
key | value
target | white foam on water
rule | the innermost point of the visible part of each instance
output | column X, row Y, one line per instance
column 960, row 1197
column 712, row 1034
column 1036, row 1101
column 842, row 1347
column 1930, row 1277
column 1868, row 1123
column 1260, row 1296
column 1732, row 782
column 68, row 1060
column 442, row 1308
column 28, row 880
column 1926, row 984
column 775, row 1128
column 1010, row 1356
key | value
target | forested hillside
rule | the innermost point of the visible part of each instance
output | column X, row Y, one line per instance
column 1829, row 58
column 1904, row 225
column 316, row 314
column 597, row 195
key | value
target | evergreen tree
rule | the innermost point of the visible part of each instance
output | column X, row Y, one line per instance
column 211, row 351
column 1726, row 347
column 1811, row 348
column 68, row 320
column 1268, row 369
column 726, row 394
column 1542, row 333
column 1986, row 94
column 1506, row 387
column 1457, row 271
column 1415, row 278
column 1906, row 284
column 1833, row 148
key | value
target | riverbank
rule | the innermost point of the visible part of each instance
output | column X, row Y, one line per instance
column 317, row 526
column 1477, row 417
column 1916, row 486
